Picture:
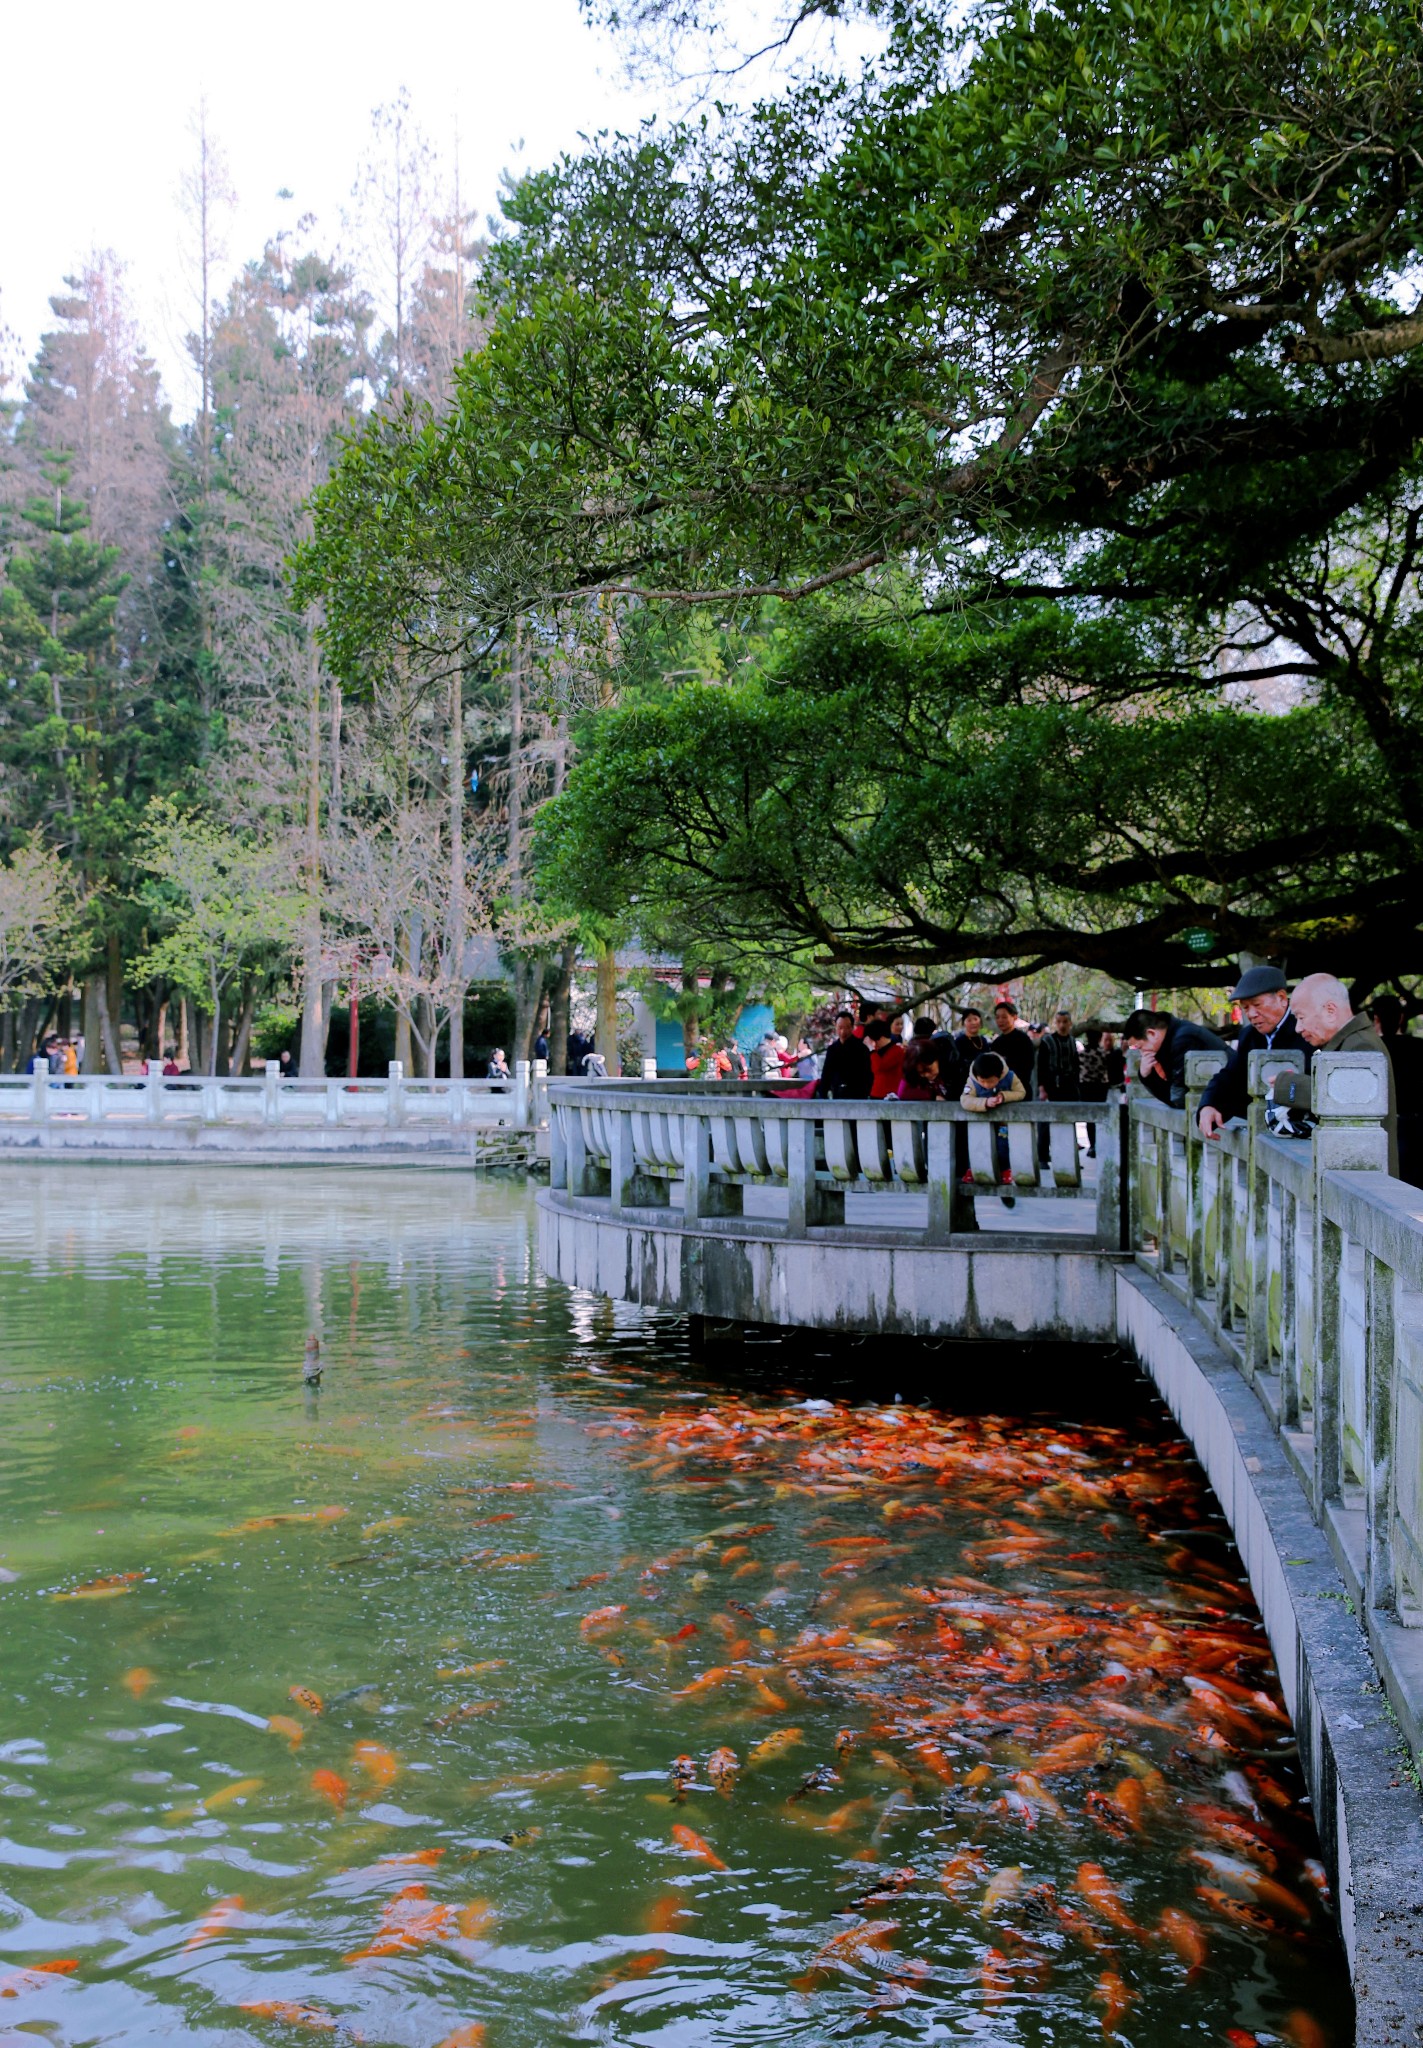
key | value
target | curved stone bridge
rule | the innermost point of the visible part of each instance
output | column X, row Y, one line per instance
column 1272, row 1289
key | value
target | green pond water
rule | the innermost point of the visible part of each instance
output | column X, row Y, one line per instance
column 510, row 1580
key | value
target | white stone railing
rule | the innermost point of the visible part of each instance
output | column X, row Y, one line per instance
column 1304, row 1258
column 273, row 1100
column 633, row 1144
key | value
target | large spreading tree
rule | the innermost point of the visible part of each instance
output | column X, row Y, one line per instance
column 1063, row 370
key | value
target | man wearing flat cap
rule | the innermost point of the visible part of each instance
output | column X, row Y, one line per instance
column 1264, row 998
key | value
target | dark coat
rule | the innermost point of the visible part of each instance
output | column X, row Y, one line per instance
column 1059, row 1067
column 1017, row 1049
column 1183, row 1037
column 1227, row 1091
column 847, row 1075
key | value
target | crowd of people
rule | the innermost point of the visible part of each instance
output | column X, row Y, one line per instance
column 877, row 1053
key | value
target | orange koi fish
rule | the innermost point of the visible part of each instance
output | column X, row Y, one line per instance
column 464, row 1713
column 962, row 1872
column 1238, row 1910
column 602, row 1621
column 213, row 1922
column 408, row 1921
column 1302, row 2030
column 723, row 1768
column 284, row 1725
column 231, row 1795
column 471, row 2036
column 682, row 1634
column 375, row 1763
column 305, row 1697
column 475, row 1920
column 104, row 1589
column 331, row 1787
column 447, row 1672
column 406, row 1859
column 1072, row 1755
column 771, row 1746
column 718, row 1675
column 1002, row 1886
column 1115, row 1999
column 21, row 1980
column 1180, row 1932
column 848, row 1950
column 138, row 1681
column 1104, row 1899
column 665, row 1913
column 292, row 2015
column 688, row 1839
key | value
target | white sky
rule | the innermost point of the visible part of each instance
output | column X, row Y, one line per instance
column 99, row 100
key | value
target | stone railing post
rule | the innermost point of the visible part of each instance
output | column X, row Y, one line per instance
column 521, row 1094
column 1261, row 1069
column 1200, row 1068
column 538, row 1100
column 395, row 1095
column 558, row 1146
column 271, row 1098
column 1349, row 1095
column 649, row 1068
column 39, row 1093
column 701, row 1195
column 154, row 1091
column 1112, row 1228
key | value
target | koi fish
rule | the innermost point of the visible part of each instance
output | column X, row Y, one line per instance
column 684, row 1773
column 1102, row 1896
column 1244, row 1880
column 602, row 1621
column 723, row 1768
column 665, row 1913
column 255, row 1522
column 848, row 1950
column 231, row 1795
column 1180, row 1932
column 682, row 1634
column 376, row 1763
column 213, row 1922
column 465, row 1713
column 385, row 1528
column 1302, row 2030
column 962, row 1872
column 1115, row 1999
column 103, row 1589
column 407, row 1859
column 688, row 1839
column 138, row 1681
column 1238, row 1910
column 305, row 1697
column 471, row 2036
column 718, row 1675
column 475, row 1920
column 408, row 1921
column 1003, row 1886
column 285, row 1726
column 772, row 1746
column 19, row 1980
column 292, row 2015
column 446, row 1672
column 331, row 1787
column 1072, row 1755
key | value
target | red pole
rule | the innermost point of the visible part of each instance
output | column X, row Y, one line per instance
column 354, row 1034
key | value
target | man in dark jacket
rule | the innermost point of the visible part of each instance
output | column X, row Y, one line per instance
column 847, row 1075
column 1161, row 1043
column 1059, row 1072
column 1012, row 1043
column 1405, row 1055
column 1264, row 998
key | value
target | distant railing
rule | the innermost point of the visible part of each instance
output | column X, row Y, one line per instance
column 1305, row 1260
column 274, row 1100
column 633, row 1143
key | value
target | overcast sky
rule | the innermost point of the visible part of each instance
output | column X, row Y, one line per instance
column 99, row 100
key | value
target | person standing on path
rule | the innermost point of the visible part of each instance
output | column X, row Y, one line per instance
column 847, row 1075
column 1059, row 1073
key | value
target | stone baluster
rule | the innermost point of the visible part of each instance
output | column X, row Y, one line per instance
column 703, row 1196
column 1349, row 1096
column 395, row 1095
column 809, row 1202
column 538, row 1107
column 39, row 1093
column 1261, row 1068
column 558, row 1146
column 1200, row 1068
column 1111, row 1222
column 521, row 1094
column 154, row 1092
column 271, row 1094
column 649, row 1069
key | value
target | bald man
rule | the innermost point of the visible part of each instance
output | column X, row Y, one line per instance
column 1327, row 1020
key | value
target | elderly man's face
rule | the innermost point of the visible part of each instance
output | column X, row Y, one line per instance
column 1264, row 1012
column 1318, row 1021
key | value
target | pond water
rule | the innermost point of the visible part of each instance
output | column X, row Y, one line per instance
column 531, row 1683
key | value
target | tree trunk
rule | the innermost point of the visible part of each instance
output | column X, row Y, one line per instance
column 430, row 1032
column 457, row 897
column 7, row 1043
column 560, row 1005
column 93, row 1048
column 160, row 1031
column 112, row 1059
column 314, row 1016
column 242, row 1044
column 114, row 1002
column 187, row 1037
column 25, row 1030
column 605, row 1030
column 402, row 1036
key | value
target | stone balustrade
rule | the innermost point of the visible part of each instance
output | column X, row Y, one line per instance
column 636, row 1144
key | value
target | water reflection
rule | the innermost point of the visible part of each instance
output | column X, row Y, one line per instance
column 527, row 1677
